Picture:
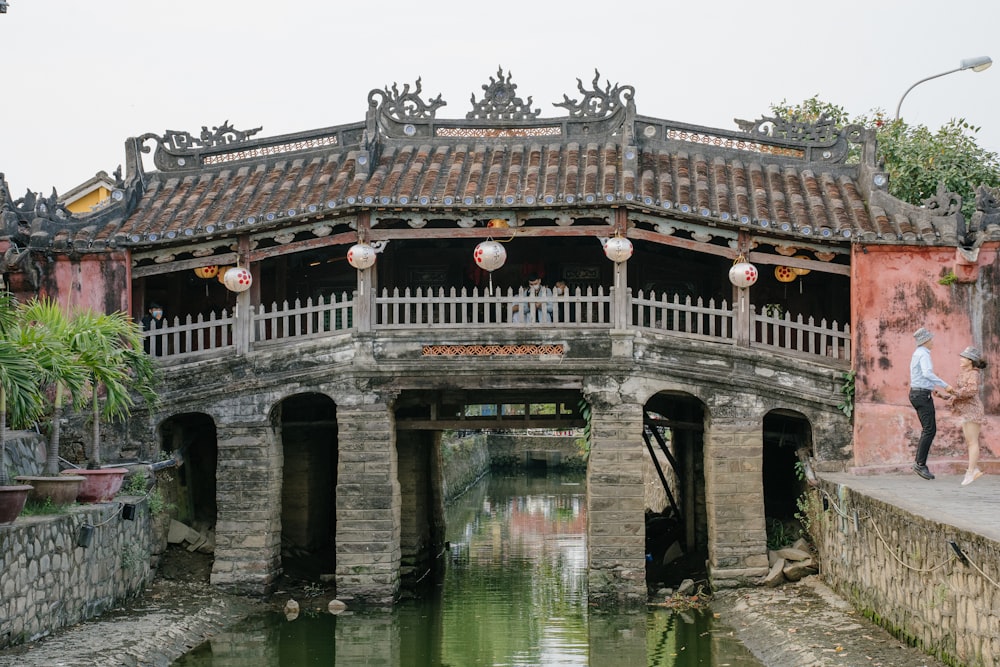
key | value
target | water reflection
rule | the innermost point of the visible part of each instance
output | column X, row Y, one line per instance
column 514, row 593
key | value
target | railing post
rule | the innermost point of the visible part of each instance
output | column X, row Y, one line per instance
column 741, row 316
column 364, row 300
column 242, row 313
column 620, row 298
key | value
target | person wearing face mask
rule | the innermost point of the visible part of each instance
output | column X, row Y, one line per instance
column 154, row 320
column 537, row 306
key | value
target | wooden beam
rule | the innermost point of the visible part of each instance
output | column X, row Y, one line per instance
column 484, row 423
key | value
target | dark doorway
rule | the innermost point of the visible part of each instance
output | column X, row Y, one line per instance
column 787, row 437
column 676, row 516
column 191, row 438
column 309, row 487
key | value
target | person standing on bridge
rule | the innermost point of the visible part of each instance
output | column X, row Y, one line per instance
column 923, row 384
column 965, row 404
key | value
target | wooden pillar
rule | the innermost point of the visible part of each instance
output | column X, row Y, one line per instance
column 364, row 298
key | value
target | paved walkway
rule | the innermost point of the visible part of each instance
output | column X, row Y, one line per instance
column 975, row 508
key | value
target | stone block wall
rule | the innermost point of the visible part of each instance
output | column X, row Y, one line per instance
column 900, row 570
column 49, row 582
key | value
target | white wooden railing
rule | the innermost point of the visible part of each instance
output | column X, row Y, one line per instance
column 395, row 310
column 462, row 309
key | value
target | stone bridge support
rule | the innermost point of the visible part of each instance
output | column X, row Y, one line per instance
column 734, row 492
column 616, row 535
column 248, row 494
column 368, row 502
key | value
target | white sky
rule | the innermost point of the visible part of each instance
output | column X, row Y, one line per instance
column 78, row 77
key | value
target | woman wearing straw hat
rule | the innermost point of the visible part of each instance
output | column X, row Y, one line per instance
column 923, row 385
column 965, row 404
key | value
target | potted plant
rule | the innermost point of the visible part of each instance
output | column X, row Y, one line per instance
column 43, row 332
column 110, row 349
column 20, row 402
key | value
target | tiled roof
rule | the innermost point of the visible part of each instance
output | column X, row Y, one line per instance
column 781, row 180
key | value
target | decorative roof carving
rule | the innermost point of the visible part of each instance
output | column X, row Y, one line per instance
column 404, row 105
column 943, row 202
column 823, row 130
column 222, row 135
column 500, row 103
column 597, row 103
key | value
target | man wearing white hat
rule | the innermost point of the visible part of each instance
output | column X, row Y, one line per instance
column 923, row 382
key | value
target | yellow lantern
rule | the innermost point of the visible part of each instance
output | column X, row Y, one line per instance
column 784, row 274
column 207, row 271
column 800, row 272
column 221, row 273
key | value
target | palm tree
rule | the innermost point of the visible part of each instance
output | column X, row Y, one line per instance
column 20, row 381
column 110, row 348
column 45, row 332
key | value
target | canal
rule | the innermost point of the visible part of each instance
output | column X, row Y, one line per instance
column 513, row 593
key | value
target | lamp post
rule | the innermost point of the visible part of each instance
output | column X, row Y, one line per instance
column 975, row 64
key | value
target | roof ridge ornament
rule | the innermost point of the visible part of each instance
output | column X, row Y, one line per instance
column 404, row 105
column 500, row 103
column 597, row 103
column 221, row 135
column 822, row 130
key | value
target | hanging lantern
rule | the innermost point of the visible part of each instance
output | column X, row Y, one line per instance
column 742, row 273
column 207, row 271
column 221, row 274
column 361, row 256
column 238, row 279
column 498, row 222
column 800, row 272
column 784, row 274
column 489, row 255
column 618, row 249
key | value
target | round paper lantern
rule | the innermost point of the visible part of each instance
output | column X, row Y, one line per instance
column 207, row 271
column 800, row 272
column 489, row 255
column 238, row 279
column 497, row 222
column 618, row 249
column 743, row 274
column 784, row 274
column 361, row 256
column 221, row 274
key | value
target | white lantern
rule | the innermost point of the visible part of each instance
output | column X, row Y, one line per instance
column 238, row 279
column 489, row 255
column 743, row 273
column 618, row 249
column 361, row 256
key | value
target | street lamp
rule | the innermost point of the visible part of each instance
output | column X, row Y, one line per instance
column 975, row 64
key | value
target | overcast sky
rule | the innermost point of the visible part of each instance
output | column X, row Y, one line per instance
column 79, row 77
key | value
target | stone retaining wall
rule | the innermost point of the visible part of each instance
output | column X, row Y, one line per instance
column 50, row 582
column 900, row 570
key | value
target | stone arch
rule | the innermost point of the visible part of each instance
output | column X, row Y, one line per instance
column 676, row 518
column 307, row 436
column 787, row 444
column 192, row 438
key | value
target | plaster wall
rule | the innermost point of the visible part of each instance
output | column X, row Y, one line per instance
column 897, row 291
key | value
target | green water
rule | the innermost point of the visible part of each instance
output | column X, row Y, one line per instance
column 513, row 594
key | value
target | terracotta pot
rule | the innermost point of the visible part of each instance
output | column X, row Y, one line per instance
column 98, row 485
column 12, row 502
column 61, row 489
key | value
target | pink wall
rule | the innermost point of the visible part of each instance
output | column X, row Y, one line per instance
column 896, row 291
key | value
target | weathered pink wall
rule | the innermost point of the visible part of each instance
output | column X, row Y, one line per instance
column 97, row 282
column 896, row 290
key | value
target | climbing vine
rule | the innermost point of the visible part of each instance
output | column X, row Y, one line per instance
column 847, row 389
